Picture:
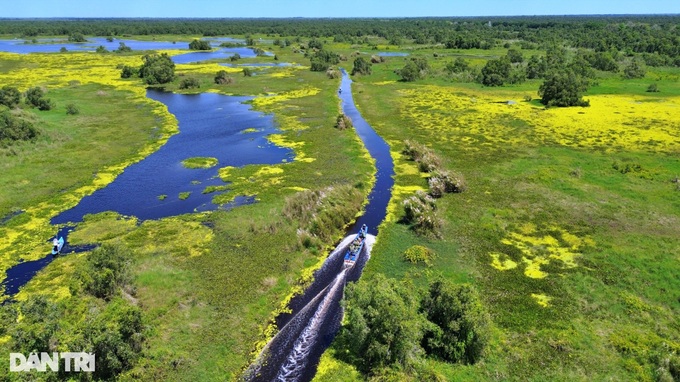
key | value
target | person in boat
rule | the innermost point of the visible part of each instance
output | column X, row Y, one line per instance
column 340, row 91
column 55, row 243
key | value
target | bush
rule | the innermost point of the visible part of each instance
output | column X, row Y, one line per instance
column 496, row 72
column 453, row 181
column 102, row 49
column 419, row 211
column 223, row 78
column 128, row 71
column 343, row 122
column 247, row 72
column 333, row 74
column 72, row 109
column 436, row 187
column 13, row 128
column 419, row 254
column 235, row 57
column 409, row 72
column 157, row 69
column 36, row 330
column 199, row 45
column 461, row 325
column 563, row 89
column 35, row 97
column 414, row 150
column 323, row 59
column 189, row 83
column 459, row 65
column 361, row 66
column 10, row 96
column 122, row 48
column 383, row 326
column 635, row 69
column 105, row 271
column 63, row 49
column 653, row 88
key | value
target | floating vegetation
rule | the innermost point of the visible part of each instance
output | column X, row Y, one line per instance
column 184, row 195
column 200, row 162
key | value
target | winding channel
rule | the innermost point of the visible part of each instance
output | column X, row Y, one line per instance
column 294, row 353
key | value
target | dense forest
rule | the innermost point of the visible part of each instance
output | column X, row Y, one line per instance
column 638, row 34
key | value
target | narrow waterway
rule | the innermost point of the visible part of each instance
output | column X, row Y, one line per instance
column 294, row 353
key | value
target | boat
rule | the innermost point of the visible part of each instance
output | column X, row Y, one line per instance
column 58, row 245
column 355, row 247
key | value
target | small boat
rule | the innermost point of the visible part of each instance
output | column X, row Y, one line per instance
column 355, row 247
column 57, row 245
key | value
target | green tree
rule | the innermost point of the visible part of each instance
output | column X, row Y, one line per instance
column 247, row 72
column 128, row 71
column 122, row 48
column 189, row 83
column 235, row 57
column 199, row 45
column 222, row 77
column 461, row 324
column 315, row 44
column 563, row 89
column 496, row 72
column 105, row 271
column 10, row 96
column 76, row 37
column 515, row 56
column 383, row 326
column 63, row 49
column 409, row 72
column 36, row 330
column 157, row 69
column 361, row 66
column 14, row 128
column 102, row 49
column 636, row 69
column 323, row 59
column 459, row 65
column 35, row 97
column 536, row 67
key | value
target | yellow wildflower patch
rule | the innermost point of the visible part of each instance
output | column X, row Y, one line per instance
column 539, row 249
column 284, row 96
column 485, row 121
column 542, row 299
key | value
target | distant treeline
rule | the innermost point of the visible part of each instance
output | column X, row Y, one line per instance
column 637, row 34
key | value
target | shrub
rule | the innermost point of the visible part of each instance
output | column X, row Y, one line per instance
column 199, row 45
column 36, row 330
column 235, row 57
column 128, row 71
column 102, row 49
column 361, row 66
column 428, row 162
column 409, row 72
column 247, row 72
column 35, row 97
column 343, row 122
column 157, row 69
column 453, row 181
column 63, row 49
column 189, row 83
column 414, row 150
column 459, row 65
column 323, row 59
column 105, row 271
column 122, row 48
column 72, row 109
column 13, row 128
column 653, row 88
column 222, row 78
column 436, row 186
column 419, row 254
column 636, row 69
column 461, row 324
column 496, row 72
column 419, row 211
column 10, row 96
column 332, row 73
column 383, row 325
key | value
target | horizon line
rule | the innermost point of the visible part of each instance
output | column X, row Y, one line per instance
column 333, row 17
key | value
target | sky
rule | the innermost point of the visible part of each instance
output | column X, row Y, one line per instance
column 328, row 8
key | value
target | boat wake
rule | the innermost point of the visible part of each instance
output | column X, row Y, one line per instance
column 300, row 342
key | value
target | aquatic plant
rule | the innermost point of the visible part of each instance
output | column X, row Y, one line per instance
column 200, row 162
column 419, row 254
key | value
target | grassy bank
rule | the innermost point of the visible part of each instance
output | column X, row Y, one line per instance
column 568, row 227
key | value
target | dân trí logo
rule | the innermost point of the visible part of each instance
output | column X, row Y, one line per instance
column 73, row 362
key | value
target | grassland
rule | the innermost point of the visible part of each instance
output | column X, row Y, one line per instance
column 569, row 226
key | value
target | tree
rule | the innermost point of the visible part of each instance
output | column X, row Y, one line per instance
column 535, row 67
column 361, row 66
column 563, row 89
column 189, row 83
column 102, row 49
column 13, row 128
column 461, row 324
column 315, row 44
column 515, row 56
column 653, row 88
column 323, row 59
column 10, row 96
column 63, row 49
column 383, row 326
column 222, row 77
column 122, row 48
column 636, row 69
column 235, row 57
column 409, row 72
column 157, row 69
column 459, row 65
column 35, row 97
column 496, row 72
column 199, row 45
column 105, row 271
column 76, row 37
column 247, row 72
column 128, row 71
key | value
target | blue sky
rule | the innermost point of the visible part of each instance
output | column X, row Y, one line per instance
column 327, row 8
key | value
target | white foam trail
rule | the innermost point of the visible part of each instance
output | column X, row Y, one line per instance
column 297, row 359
